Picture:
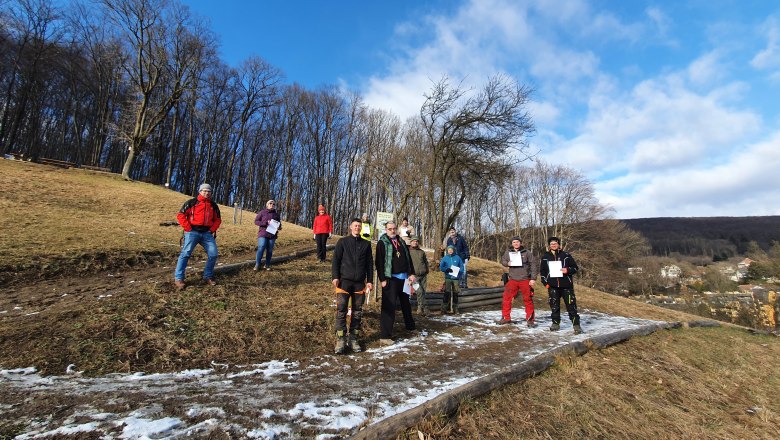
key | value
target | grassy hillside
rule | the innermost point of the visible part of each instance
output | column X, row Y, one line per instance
column 80, row 221
column 66, row 226
column 713, row 383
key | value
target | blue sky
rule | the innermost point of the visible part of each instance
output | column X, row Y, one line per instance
column 669, row 108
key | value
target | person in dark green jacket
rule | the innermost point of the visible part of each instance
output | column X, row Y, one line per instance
column 420, row 263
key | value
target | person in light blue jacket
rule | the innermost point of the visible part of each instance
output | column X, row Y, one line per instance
column 448, row 263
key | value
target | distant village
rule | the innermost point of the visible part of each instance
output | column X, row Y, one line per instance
column 752, row 305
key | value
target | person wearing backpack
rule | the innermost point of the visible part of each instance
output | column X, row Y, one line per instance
column 200, row 219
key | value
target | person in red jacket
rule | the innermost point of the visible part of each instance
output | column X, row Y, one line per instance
column 322, row 229
column 200, row 219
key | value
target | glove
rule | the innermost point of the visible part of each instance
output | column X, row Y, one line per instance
column 449, row 270
column 214, row 234
column 365, row 235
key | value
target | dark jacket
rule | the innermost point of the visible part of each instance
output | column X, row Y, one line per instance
column 528, row 271
column 388, row 262
column 263, row 218
column 461, row 247
column 352, row 260
column 567, row 261
column 200, row 214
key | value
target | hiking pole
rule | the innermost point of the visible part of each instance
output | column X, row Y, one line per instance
column 452, row 299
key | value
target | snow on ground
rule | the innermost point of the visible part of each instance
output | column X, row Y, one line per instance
column 324, row 397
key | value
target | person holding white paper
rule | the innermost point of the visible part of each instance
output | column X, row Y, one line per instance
column 523, row 269
column 394, row 267
column 452, row 266
column 268, row 217
column 557, row 270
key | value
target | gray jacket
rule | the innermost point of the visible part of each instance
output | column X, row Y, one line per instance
column 528, row 271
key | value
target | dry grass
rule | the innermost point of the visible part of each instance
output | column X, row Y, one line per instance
column 692, row 383
column 61, row 220
column 687, row 384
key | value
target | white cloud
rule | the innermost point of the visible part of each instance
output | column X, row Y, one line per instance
column 769, row 57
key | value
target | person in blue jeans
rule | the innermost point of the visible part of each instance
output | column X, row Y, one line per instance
column 200, row 219
column 265, row 239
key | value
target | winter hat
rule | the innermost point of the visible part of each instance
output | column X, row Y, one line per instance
column 516, row 238
column 414, row 238
column 205, row 186
column 553, row 239
column 451, row 247
column 321, row 207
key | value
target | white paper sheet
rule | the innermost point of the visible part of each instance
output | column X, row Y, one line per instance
column 273, row 226
column 407, row 288
column 555, row 269
column 455, row 271
column 515, row 259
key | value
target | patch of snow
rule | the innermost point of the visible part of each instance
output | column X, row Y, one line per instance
column 147, row 428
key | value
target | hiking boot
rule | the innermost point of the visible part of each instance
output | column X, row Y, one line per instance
column 503, row 321
column 268, row 268
column 354, row 345
column 385, row 342
column 531, row 323
column 555, row 327
column 179, row 284
column 577, row 329
column 256, row 268
column 341, row 345
column 210, row 281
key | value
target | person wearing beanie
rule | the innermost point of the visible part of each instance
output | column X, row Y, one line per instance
column 557, row 269
column 462, row 250
column 523, row 269
column 366, row 231
column 269, row 224
column 452, row 266
column 420, row 263
column 322, row 229
column 200, row 219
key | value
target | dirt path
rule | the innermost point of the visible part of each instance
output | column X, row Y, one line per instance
column 326, row 396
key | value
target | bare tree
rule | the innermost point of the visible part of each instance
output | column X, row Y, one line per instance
column 164, row 57
column 470, row 137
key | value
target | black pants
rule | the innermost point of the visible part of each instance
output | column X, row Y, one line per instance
column 392, row 292
column 569, row 299
column 342, row 305
column 322, row 242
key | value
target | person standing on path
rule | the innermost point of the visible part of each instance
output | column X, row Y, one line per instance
column 462, row 250
column 420, row 263
column 351, row 269
column 557, row 269
column 267, row 219
column 322, row 229
column 452, row 266
column 200, row 219
column 523, row 270
column 394, row 267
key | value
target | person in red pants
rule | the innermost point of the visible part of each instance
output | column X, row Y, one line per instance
column 523, row 269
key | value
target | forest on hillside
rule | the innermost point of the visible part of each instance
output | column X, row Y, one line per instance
column 719, row 238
